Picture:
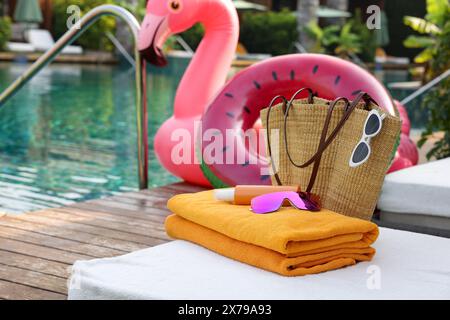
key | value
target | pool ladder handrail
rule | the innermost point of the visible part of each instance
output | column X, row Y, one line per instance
column 140, row 75
column 426, row 87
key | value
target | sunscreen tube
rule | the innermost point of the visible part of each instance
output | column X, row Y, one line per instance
column 243, row 195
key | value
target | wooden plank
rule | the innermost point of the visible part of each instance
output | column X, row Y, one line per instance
column 110, row 225
column 14, row 291
column 163, row 193
column 33, row 279
column 182, row 187
column 156, row 222
column 35, row 264
column 40, row 252
column 64, row 233
column 146, row 195
column 94, row 230
column 156, row 230
column 144, row 201
column 111, row 209
column 37, row 249
column 122, row 208
column 57, row 243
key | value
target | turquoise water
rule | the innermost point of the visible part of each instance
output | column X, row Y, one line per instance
column 417, row 115
column 70, row 135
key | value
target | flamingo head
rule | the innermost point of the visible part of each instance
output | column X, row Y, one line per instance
column 163, row 19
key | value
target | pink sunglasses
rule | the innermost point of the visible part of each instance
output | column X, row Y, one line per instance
column 272, row 202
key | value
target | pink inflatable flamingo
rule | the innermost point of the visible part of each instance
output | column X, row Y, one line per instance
column 237, row 104
column 205, row 75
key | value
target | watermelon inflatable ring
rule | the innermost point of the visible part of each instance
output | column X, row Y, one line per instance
column 238, row 104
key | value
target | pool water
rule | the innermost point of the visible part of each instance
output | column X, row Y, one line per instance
column 70, row 134
column 416, row 113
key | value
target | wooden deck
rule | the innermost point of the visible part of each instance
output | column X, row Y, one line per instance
column 38, row 248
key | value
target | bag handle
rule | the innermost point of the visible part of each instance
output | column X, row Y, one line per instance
column 323, row 143
column 269, row 145
column 323, row 135
column 285, row 102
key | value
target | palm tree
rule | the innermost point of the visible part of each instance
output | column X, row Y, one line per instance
column 306, row 14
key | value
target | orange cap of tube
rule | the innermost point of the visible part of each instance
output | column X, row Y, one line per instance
column 243, row 194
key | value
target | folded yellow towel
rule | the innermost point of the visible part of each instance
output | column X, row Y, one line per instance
column 289, row 242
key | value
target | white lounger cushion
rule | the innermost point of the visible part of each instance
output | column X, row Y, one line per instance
column 408, row 265
column 422, row 189
column 42, row 40
column 20, row 47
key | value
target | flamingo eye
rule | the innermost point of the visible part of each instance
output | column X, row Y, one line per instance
column 175, row 5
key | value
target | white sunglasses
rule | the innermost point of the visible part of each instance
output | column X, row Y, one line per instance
column 372, row 127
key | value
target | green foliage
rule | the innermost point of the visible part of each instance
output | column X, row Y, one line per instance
column 431, row 26
column 269, row 32
column 2, row 9
column 94, row 38
column 194, row 35
column 5, row 31
column 437, row 11
column 367, row 37
column 137, row 10
column 421, row 25
column 348, row 43
column 342, row 41
column 419, row 42
column 437, row 101
column 323, row 37
column 435, row 41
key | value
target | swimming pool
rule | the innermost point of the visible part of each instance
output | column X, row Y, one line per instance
column 70, row 135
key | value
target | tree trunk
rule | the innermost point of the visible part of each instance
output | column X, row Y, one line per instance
column 306, row 13
column 46, row 7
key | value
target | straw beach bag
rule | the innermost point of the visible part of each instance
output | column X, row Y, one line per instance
column 315, row 142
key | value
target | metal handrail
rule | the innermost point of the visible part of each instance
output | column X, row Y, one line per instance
column 426, row 87
column 120, row 48
column 141, row 89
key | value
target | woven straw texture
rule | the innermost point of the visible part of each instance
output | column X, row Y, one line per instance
column 350, row 191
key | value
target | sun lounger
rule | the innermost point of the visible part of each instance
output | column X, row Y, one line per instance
column 42, row 40
column 20, row 47
column 407, row 266
column 418, row 198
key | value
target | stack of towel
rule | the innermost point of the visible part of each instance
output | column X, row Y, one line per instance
column 289, row 242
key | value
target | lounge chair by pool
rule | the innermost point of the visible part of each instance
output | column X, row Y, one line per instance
column 407, row 266
column 418, row 198
column 42, row 40
column 20, row 47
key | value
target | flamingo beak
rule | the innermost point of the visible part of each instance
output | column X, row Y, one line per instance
column 154, row 32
